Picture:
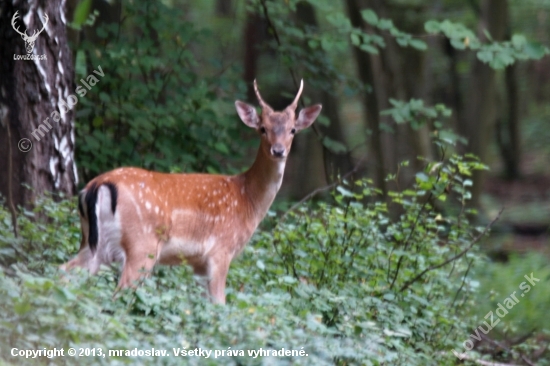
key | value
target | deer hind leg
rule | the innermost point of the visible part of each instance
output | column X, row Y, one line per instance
column 217, row 275
column 141, row 256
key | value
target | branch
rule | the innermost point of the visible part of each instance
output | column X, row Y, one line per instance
column 476, row 239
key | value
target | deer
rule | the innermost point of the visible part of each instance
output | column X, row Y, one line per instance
column 140, row 218
column 29, row 40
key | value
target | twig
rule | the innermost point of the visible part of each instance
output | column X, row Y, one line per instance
column 462, row 283
column 455, row 257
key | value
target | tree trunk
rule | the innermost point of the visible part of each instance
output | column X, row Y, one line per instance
column 36, row 137
column 370, row 100
column 251, row 36
column 508, row 131
column 481, row 114
column 336, row 164
column 402, row 77
column 224, row 8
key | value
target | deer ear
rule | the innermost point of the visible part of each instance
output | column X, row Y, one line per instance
column 248, row 114
column 307, row 116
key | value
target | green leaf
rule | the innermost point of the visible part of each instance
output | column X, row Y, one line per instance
column 344, row 192
column 485, row 56
column 369, row 16
column 334, row 146
column 432, row 26
column 221, row 147
column 535, row 50
column 418, row 44
column 313, row 43
column 355, row 39
column 81, row 13
column 519, row 41
column 369, row 48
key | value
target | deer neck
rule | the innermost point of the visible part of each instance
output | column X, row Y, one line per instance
column 262, row 182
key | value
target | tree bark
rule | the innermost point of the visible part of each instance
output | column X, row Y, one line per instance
column 36, row 139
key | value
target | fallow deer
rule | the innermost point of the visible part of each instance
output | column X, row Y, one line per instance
column 140, row 218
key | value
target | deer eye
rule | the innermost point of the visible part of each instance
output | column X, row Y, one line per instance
column 262, row 130
column 293, row 131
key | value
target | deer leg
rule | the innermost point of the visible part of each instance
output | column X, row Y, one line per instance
column 217, row 274
column 139, row 262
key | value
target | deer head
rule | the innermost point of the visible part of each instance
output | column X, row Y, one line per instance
column 29, row 40
column 277, row 129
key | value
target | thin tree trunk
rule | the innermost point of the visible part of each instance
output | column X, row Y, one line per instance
column 372, row 113
column 224, row 8
column 36, row 140
column 508, row 132
column 251, row 36
column 335, row 163
column 481, row 114
column 403, row 74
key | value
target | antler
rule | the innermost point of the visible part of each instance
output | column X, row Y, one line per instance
column 35, row 34
column 15, row 16
column 263, row 104
column 294, row 104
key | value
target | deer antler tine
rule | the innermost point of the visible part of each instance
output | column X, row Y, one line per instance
column 15, row 16
column 294, row 104
column 44, row 24
column 263, row 104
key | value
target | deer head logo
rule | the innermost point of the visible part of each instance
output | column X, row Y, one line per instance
column 29, row 40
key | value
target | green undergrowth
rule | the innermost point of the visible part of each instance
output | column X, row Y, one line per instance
column 354, row 282
column 520, row 285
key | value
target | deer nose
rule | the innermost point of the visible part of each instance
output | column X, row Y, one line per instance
column 278, row 150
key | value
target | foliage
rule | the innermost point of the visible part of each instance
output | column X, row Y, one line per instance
column 346, row 281
column 497, row 54
column 155, row 107
column 499, row 280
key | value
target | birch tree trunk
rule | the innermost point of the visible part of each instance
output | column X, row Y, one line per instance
column 37, row 101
